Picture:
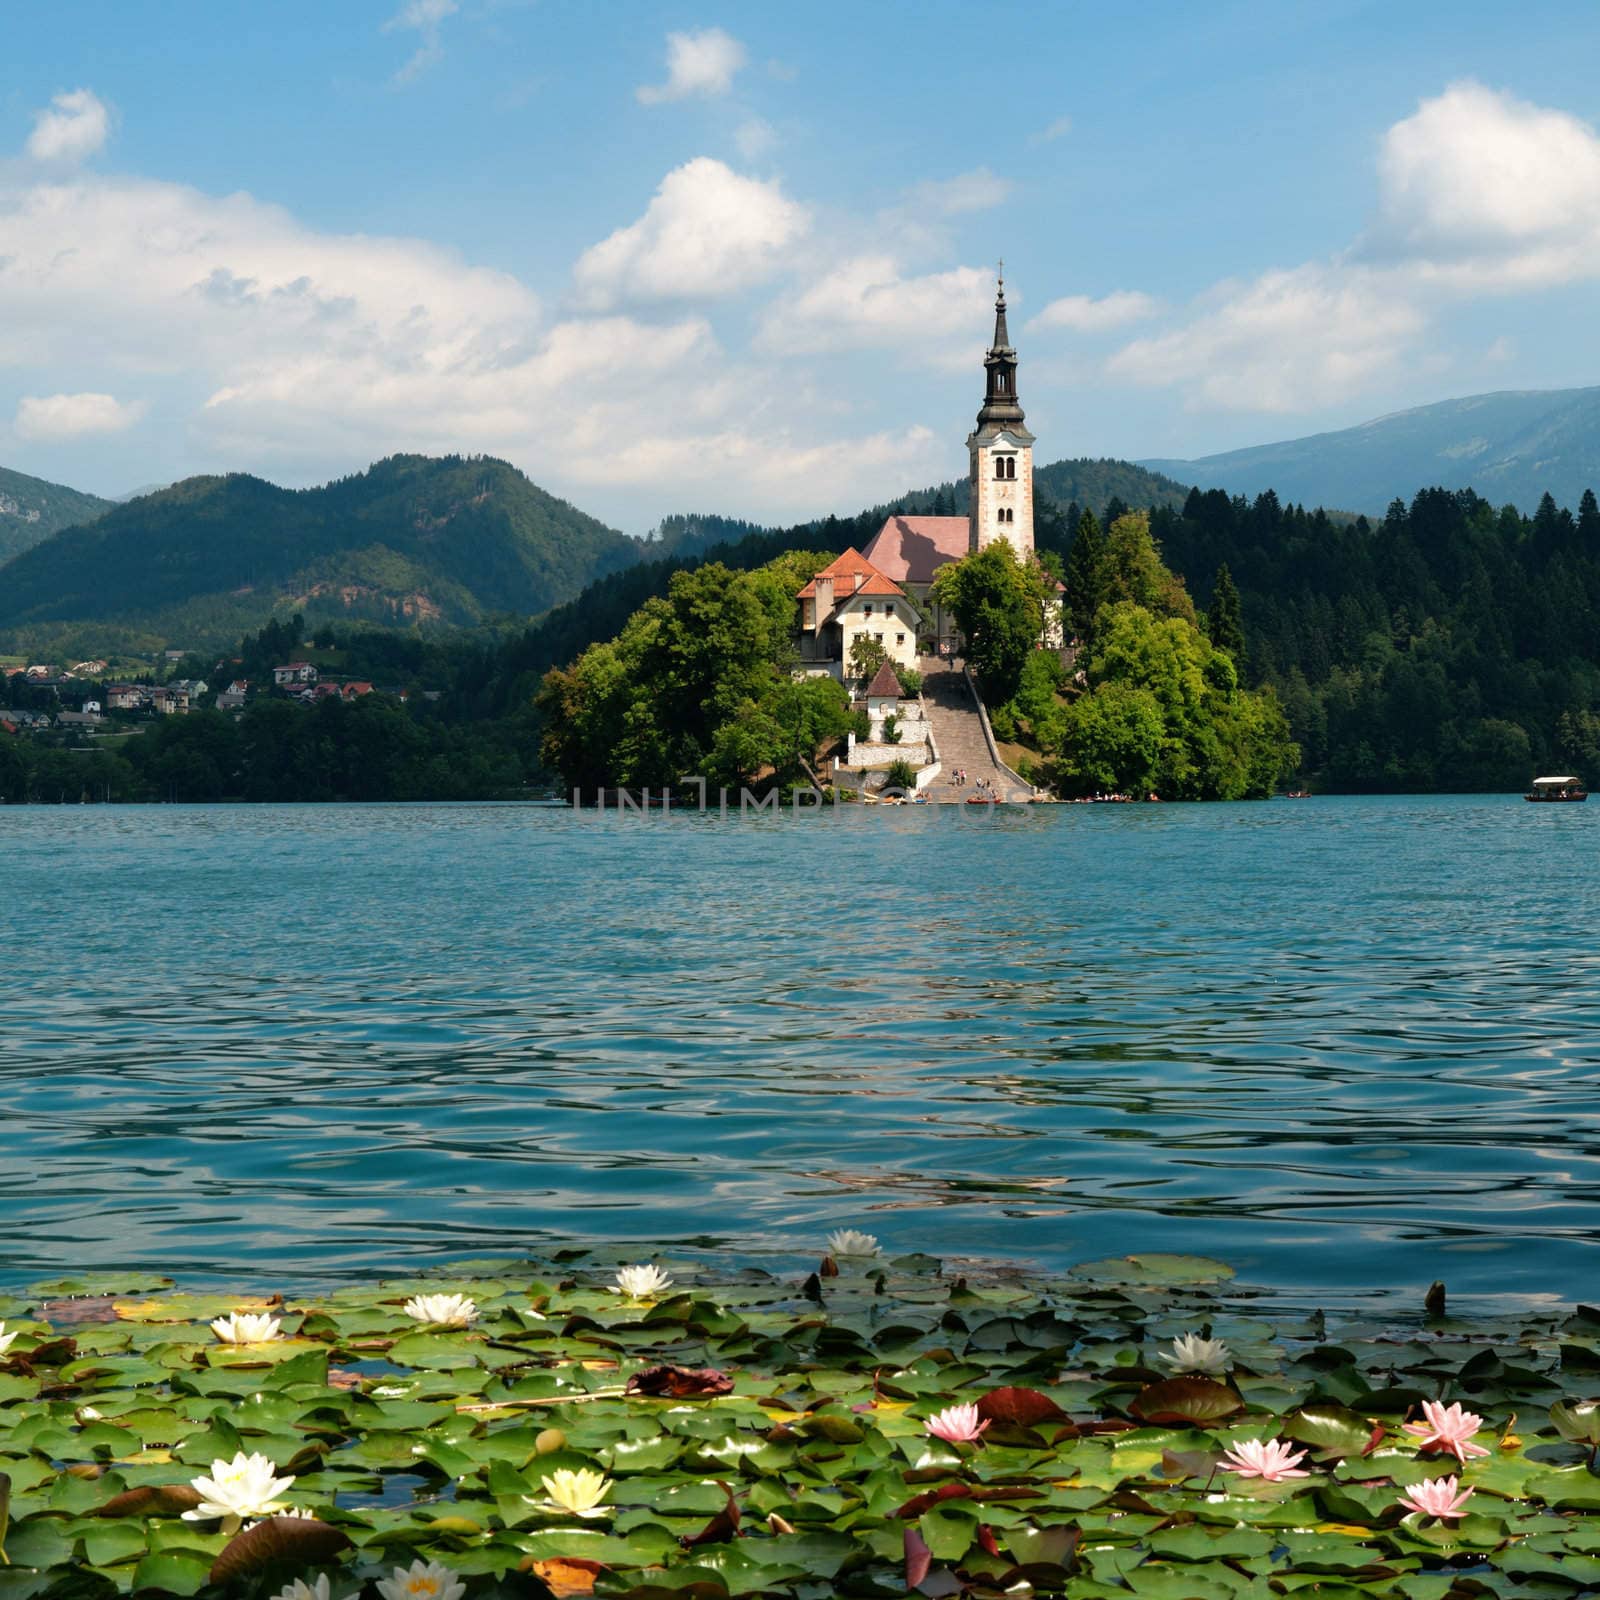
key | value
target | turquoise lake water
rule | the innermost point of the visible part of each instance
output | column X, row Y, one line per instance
column 1346, row 1044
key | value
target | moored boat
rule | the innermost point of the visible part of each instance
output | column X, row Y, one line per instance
column 1567, row 788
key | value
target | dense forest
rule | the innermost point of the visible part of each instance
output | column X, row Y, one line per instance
column 1448, row 646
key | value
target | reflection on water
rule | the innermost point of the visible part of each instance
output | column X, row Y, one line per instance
column 1341, row 1043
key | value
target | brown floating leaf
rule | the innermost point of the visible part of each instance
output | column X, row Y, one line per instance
column 343, row 1378
column 52, row 1353
column 1185, row 1400
column 779, row 1524
column 965, row 1491
column 721, row 1528
column 152, row 1500
column 565, row 1575
column 74, row 1313
column 1433, row 1300
column 829, row 1268
column 919, row 1558
column 1025, row 1407
column 301, row 1540
column 812, row 1288
column 680, row 1383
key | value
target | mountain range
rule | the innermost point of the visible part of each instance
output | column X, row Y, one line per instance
column 1512, row 447
column 412, row 539
column 465, row 540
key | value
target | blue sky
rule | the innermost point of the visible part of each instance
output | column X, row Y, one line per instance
column 739, row 258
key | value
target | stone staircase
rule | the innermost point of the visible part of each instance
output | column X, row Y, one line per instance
column 959, row 735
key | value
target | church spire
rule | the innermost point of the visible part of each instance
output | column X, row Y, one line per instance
column 1002, row 339
column 1000, row 404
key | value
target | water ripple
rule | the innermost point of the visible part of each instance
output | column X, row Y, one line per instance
column 1339, row 1042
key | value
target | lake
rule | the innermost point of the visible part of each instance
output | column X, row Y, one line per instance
column 1348, row 1045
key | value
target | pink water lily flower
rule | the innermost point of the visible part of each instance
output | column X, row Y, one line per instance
column 957, row 1425
column 1437, row 1497
column 1448, row 1428
column 1270, row 1460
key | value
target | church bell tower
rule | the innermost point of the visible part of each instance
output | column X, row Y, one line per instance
column 1000, row 451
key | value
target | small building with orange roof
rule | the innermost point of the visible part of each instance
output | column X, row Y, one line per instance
column 850, row 598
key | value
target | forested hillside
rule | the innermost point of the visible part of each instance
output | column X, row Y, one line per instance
column 31, row 510
column 1446, row 646
column 413, row 540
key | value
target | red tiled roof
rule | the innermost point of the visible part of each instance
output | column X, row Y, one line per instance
column 912, row 549
column 884, row 682
column 844, row 571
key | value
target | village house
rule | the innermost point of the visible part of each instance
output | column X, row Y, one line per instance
column 850, row 599
column 293, row 674
column 127, row 696
column 234, row 696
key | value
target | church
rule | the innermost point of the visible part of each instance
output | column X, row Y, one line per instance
column 869, row 591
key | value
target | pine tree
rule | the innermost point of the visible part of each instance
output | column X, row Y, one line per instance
column 1589, row 522
column 1225, row 619
column 1085, row 579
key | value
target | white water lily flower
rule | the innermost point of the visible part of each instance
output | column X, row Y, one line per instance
column 244, row 1487
column 1191, row 1353
column 640, row 1283
column 299, row 1589
column 442, row 1310
column 580, row 1492
column 852, row 1242
column 246, row 1327
column 422, row 1580
column 5, row 1339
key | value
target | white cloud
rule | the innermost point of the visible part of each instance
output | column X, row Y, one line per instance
column 1055, row 130
column 1489, row 191
column 1479, row 193
column 755, row 138
column 1288, row 341
column 707, row 233
column 1081, row 314
column 424, row 17
column 701, row 64
column 977, row 190
column 45, row 418
column 941, row 316
column 73, row 128
column 269, row 346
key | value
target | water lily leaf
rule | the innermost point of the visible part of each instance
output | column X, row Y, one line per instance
column 300, row 1541
column 1155, row 1271
column 152, row 1500
column 98, row 1283
column 1577, row 1420
column 1328, row 1428
column 918, row 1557
column 722, row 1527
column 172, row 1571
column 680, row 1383
column 1026, row 1408
column 191, row 1307
column 1177, row 1402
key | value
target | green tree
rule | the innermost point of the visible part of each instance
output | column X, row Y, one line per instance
column 866, row 656
column 1225, row 619
column 1085, row 579
column 999, row 605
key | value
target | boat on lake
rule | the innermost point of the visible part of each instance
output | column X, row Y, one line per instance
column 1557, row 789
